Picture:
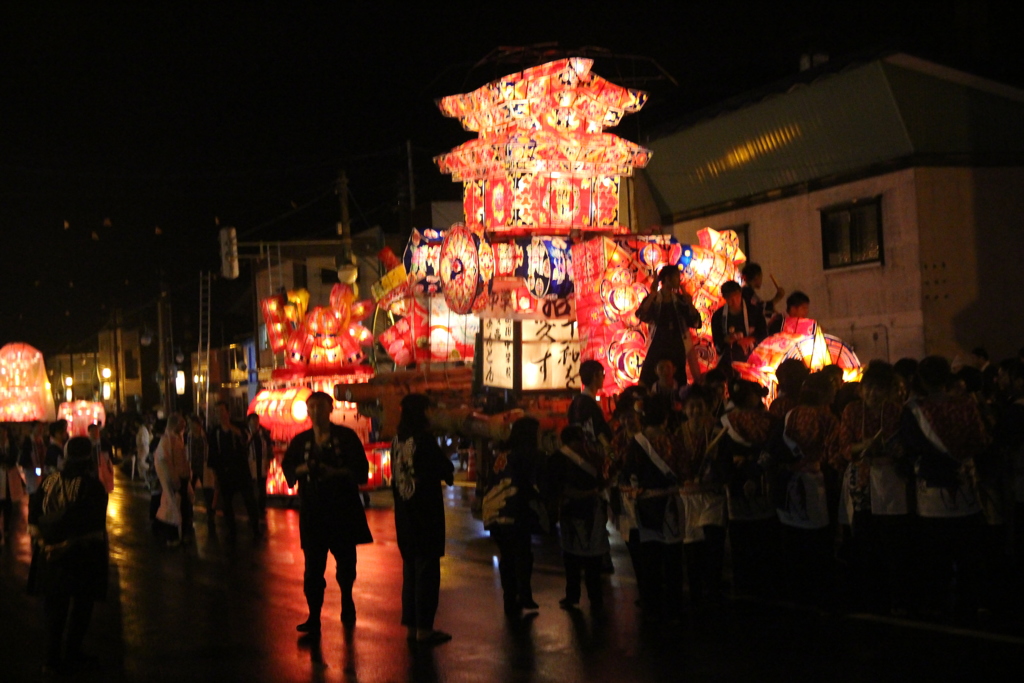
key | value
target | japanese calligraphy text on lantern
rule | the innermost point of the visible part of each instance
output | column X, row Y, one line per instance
column 551, row 355
column 499, row 353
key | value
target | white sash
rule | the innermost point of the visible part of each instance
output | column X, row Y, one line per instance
column 653, row 455
column 578, row 461
column 733, row 434
column 926, row 427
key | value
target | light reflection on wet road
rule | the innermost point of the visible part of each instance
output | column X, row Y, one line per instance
column 220, row 612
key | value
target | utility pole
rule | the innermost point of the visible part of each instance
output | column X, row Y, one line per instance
column 412, row 178
column 345, row 226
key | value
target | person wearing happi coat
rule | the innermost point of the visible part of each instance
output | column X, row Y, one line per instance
column 329, row 465
column 575, row 479
column 419, row 467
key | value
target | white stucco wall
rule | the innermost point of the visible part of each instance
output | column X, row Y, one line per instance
column 876, row 307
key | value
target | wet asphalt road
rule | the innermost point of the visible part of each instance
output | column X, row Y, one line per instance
column 213, row 611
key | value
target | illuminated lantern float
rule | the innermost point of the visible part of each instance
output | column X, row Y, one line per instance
column 802, row 339
column 322, row 347
column 81, row 414
column 541, row 257
column 24, row 390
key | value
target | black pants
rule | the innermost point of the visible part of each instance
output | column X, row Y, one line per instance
column 754, row 546
column 6, row 511
column 515, row 564
column 661, row 579
column 590, row 567
column 261, row 494
column 950, row 555
column 228, row 489
column 67, row 619
column 421, row 584
column 209, row 493
column 808, row 564
column 704, row 566
column 880, row 573
column 186, row 508
column 315, row 548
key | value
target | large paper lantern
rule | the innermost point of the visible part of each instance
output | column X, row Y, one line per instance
column 81, row 414
column 802, row 339
column 24, row 390
column 542, row 163
column 422, row 261
column 459, row 269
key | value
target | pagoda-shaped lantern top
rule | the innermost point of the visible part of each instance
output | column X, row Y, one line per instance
column 542, row 163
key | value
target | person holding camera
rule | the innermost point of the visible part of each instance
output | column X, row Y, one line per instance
column 329, row 464
column 669, row 310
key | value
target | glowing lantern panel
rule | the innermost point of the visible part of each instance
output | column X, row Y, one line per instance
column 542, row 162
column 81, row 414
column 24, row 389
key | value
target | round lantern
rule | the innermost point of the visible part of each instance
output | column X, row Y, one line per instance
column 626, row 354
column 459, row 269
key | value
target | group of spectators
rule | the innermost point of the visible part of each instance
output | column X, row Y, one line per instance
column 68, row 479
column 179, row 456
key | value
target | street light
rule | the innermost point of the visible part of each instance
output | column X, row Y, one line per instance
column 69, row 381
column 105, row 373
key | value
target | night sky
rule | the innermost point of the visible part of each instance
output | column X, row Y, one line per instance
column 128, row 132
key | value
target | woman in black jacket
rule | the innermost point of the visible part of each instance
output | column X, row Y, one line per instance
column 68, row 521
column 419, row 467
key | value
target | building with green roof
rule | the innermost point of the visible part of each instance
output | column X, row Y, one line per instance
column 891, row 192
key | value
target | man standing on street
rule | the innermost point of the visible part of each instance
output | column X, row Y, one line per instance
column 330, row 464
column 260, row 454
column 55, row 451
column 229, row 458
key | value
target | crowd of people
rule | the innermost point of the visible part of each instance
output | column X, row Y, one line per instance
column 67, row 480
column 897, row 493
column 901, row 493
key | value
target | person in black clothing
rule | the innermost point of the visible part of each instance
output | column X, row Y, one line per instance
column 753, row 277
column 329, row 464
column 670, row 312
column 68, row 522
column 649, row 479
column 575, row 480
column 260, row 455
column 798, row 305
column 736, row 328
column 518, row 462
column 55, row 450
column 419, row 468
column 229, row 458
column 585, row 411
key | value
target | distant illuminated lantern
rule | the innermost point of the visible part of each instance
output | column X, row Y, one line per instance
column 24, row 391
column 284, row 413
column 81, row 414
column 325, row 340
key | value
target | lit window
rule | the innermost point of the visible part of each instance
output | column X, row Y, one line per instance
column 852, row 233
